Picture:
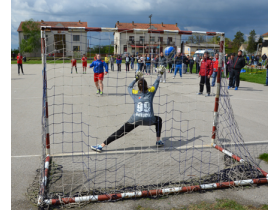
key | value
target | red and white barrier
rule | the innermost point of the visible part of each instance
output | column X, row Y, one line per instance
column 149, row 193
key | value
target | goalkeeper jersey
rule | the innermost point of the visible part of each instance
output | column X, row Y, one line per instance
column 143, row 104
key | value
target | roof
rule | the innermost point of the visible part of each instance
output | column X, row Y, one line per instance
column 266, row 34
column 57, row 23
column 147, row 26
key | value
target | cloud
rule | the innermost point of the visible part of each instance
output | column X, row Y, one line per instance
column 201, row 15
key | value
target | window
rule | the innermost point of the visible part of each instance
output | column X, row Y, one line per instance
column 47, row 38
column 76, row 38
column 26, row 37
column 152, row 39
column 142, row 38
column 76, row 48
column 124, row 48
column 140, row 50
column 169, row 39
column 160, row 39
column 133, row 50
column 131, row 38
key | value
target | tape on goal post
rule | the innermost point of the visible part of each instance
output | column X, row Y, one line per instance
column 200, row 146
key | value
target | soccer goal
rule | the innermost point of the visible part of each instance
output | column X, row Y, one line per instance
column 200, row 146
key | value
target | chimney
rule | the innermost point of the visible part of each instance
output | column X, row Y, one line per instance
column 162, row 24
column 80, row 21
column 133, row 23
column 118, row 22
column 176, row 24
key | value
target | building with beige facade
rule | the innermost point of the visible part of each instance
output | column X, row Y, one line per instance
column 265, row 44
column 139, row 42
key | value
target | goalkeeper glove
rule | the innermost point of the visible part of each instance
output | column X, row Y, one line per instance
column 138, row 75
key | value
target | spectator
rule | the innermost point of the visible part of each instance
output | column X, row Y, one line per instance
column 257, row 58
column 107, row 59
column 252, row 59
column 132, row 60
column 238, row 64
column 248, row 59
column 119, row 62
column 178, row 65
column 264, row 57
column 206, row 70
column 139, row 63
column 148, row 65
column 19, row 63
column 162, row 61
column 127, row 59
column 215, row 63
column 197, row 60
column 191, row 62
column 187, row 63
column 112, row 63
column 266, row 66
column 156, row 61
column 230, row 63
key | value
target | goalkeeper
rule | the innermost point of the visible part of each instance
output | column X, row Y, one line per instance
column 143, row 111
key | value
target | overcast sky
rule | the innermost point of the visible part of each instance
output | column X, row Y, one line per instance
column 203, row 15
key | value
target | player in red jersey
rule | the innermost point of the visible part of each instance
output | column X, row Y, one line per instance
column 84, row 62
column 19, row 63
column 73, row 63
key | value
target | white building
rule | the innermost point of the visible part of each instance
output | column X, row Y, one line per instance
column 60, row 43
column 139, row 42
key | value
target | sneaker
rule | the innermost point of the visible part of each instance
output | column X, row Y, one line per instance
column 159, row 143
column 98, row 91
column 101, row 93
column 229, row 87
column 96, row 148
column 173, row 77
column 236, row 88
column 207, row 94
column 76, row 72
column 163, row 81
column 160, row 81
column 199, row 93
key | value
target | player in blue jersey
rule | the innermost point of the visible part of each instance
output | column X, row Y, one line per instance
column 143, row 112
column 98, row 70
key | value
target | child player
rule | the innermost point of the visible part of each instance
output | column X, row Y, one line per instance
column 84, row 62
column 98, row 70
column 73, row 63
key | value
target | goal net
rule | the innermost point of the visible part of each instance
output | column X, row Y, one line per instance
column 203, row 147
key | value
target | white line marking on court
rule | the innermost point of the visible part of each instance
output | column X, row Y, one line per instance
column 138, row 151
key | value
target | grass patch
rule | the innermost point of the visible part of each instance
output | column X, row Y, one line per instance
column 220, row 204
column 264, row 157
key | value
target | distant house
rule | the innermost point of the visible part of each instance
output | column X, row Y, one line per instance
column 265, row 44
column 243, row 48
column 139, row 42
column 60, row 43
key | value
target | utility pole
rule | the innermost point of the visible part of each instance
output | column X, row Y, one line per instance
column 149, row 34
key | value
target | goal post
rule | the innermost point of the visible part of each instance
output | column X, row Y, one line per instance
column 203, row 147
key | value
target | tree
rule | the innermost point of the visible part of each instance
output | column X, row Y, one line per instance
column 32, row 39
column 191, row 39
column 199, row 39
column 260, row 39
column 252, row 44
column 213, row 40
column 238, row 40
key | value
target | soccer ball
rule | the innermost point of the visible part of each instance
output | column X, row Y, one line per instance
column 169, row 52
